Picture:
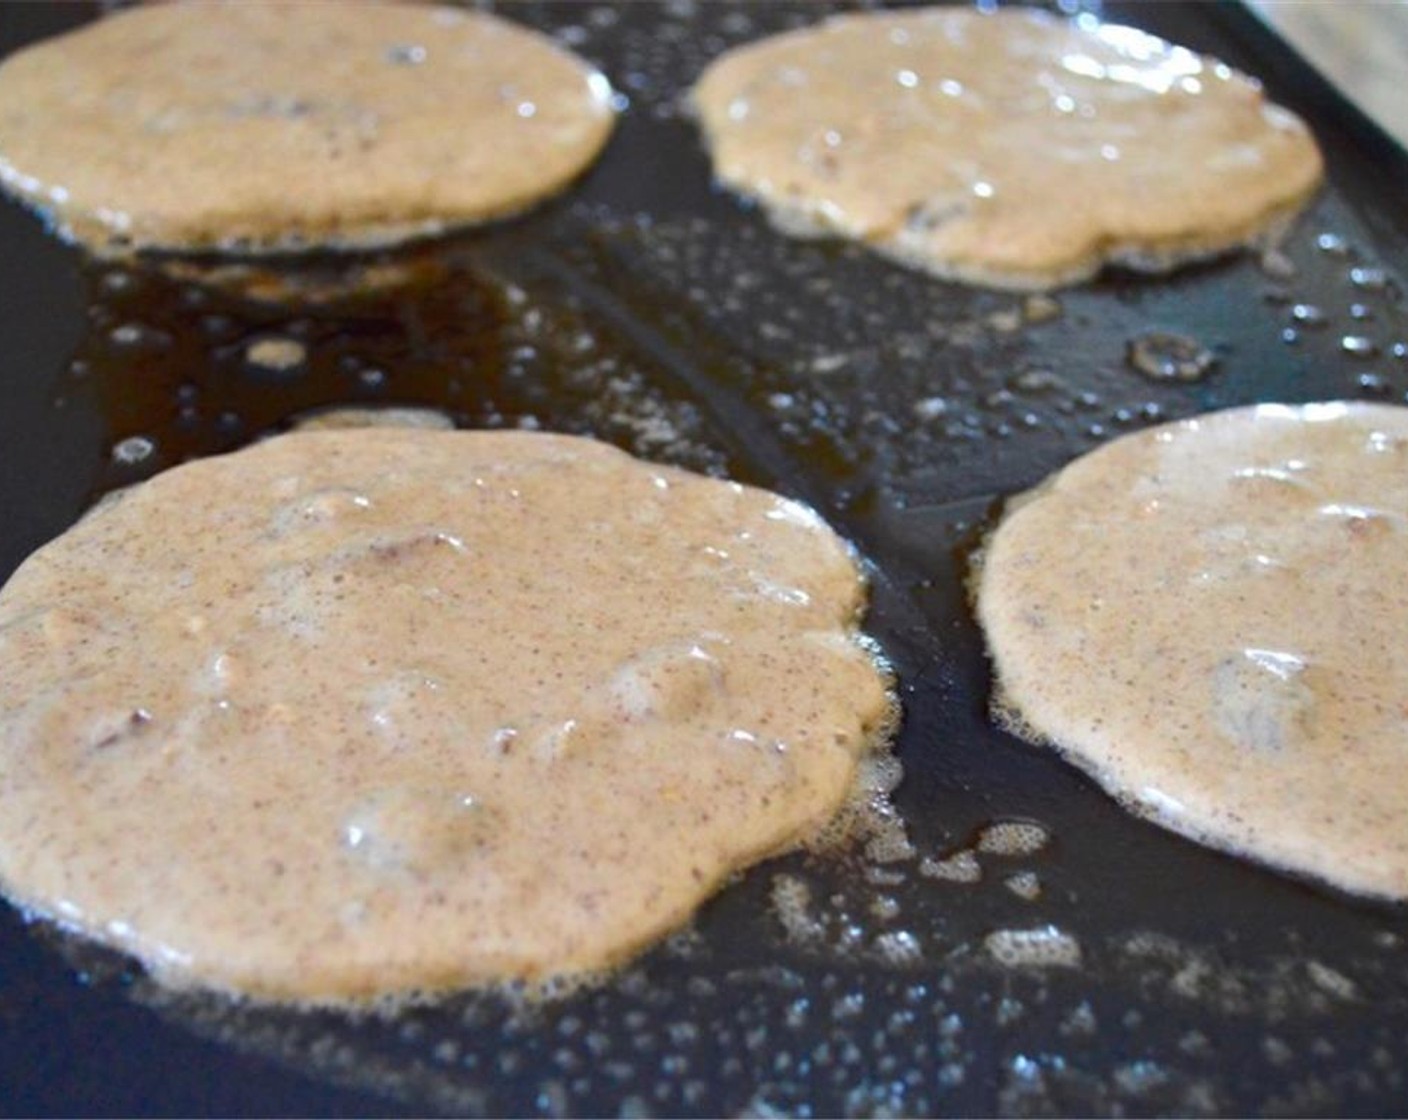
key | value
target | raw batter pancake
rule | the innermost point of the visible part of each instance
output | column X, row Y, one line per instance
column 1012, row 149
column 1209, row 618
column 259, row 125
column 351, row 713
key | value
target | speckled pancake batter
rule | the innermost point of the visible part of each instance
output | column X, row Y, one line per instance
column 1209, row 617
column 258, row 125
column 354, row 713
column 1010, row 149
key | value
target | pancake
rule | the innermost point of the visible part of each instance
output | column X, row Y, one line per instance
column 347, row 715
column 1208, row 617
column 258, row 125
column 341, row 417
column 1011, row 149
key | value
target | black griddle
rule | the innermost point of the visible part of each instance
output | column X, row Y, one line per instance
column 648, row 309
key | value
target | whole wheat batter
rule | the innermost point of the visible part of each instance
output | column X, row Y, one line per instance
column 1209, row 616
column 355, row 713
column 254, row 125
column 1011, row 148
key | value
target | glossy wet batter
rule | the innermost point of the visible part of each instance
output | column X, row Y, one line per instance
column 261, row 125
column 1010, row 149
column 355, row 713
column 1208, row 617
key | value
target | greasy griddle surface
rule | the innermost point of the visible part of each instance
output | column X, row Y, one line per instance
column 649, row 310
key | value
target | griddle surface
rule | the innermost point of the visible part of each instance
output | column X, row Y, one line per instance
column 650, row 310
